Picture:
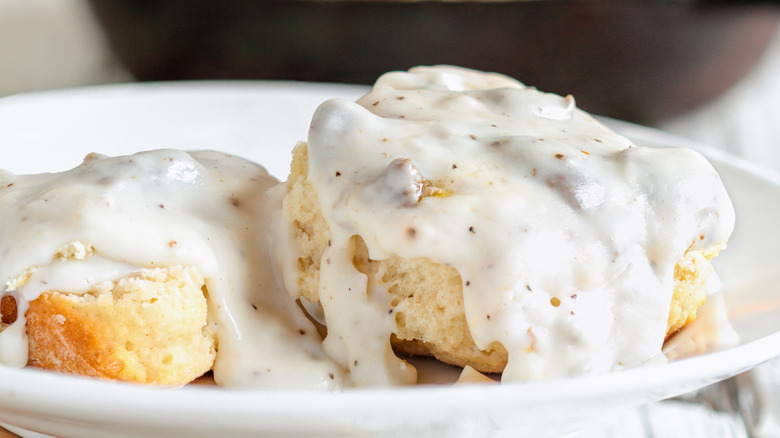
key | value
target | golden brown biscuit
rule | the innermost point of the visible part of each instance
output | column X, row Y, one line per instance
column 147, row 328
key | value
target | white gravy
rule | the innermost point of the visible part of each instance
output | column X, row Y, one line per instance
column 161, row 208
column 564, row 233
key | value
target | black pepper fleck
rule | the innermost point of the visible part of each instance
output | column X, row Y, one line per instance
column 338, row 173
column 254, row 307
column 302, row 332
column 472, row 230
column 559, row 156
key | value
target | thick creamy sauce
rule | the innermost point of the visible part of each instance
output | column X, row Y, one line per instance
column 564, row 233
column 162, row 208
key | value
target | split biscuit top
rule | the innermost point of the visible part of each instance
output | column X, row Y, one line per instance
column 151, row 268
column 468, row 216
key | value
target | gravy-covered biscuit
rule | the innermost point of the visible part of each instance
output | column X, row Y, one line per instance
column 152, row 268
column 470, row 217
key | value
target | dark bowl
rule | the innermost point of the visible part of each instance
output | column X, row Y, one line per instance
column 643, row 61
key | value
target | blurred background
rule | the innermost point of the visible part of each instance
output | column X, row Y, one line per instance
column 705, row 69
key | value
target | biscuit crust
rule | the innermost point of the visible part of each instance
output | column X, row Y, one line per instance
column 148, row 328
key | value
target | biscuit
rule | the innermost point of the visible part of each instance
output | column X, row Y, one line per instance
column 146, row 328
column 427, row 297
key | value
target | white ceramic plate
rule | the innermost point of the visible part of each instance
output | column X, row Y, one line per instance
column 262, row 121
